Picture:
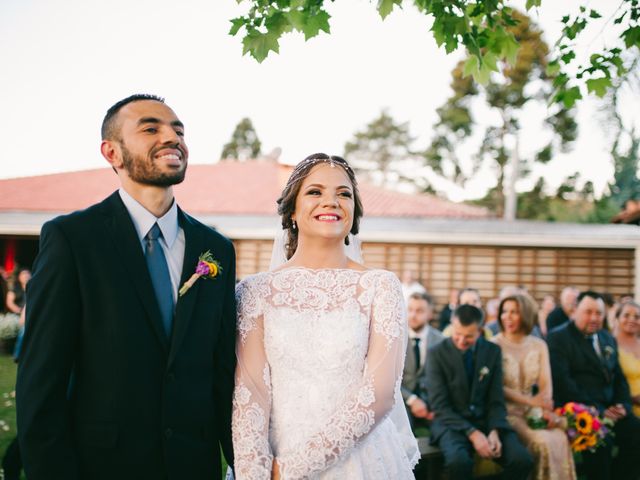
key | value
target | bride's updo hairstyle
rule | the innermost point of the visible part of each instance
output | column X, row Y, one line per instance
column 287, row 201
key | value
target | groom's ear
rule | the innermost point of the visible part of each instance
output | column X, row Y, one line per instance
column 111, row 152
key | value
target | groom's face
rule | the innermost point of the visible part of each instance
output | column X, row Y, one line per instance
column 151, row 144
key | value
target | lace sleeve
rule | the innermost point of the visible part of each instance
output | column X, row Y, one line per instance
column 371, row 399
column 252, row 394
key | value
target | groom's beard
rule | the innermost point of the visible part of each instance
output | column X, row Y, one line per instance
column 145, row 171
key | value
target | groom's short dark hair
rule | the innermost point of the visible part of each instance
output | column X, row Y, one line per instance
column 108, row 130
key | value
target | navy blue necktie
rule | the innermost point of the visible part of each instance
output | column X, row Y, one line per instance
column 467, row 357
column 160, row 278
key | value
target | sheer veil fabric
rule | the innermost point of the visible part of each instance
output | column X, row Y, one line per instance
column 279, row 252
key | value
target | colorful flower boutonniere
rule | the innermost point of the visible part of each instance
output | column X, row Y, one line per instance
column 608, row 352
column 484, row 371
column 207, row 267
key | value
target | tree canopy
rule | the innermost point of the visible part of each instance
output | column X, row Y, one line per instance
column 480, row 27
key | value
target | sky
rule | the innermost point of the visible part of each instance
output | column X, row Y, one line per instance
column 64, row 62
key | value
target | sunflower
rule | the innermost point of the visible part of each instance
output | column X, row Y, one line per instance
column 584, row 423
column 580, row 443
column 591, row 441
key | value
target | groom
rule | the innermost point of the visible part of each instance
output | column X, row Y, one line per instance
column 121, row 378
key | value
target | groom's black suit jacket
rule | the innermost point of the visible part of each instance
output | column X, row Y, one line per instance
column 102, row 393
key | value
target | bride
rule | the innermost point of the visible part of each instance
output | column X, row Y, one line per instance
column 321, row 346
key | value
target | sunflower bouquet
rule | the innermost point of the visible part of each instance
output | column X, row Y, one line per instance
column 586, row 429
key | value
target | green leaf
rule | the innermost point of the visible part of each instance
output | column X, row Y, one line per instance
column 594, row 14
column 489, row 59
column 631, row 37
column 297, row 19
column 598, row 85
column 533, row 3
column 567, row 57
column 385, row 7
column 483, row 74
column 315, row 23
column 510, row 49
column 236, row 24
column 570, row 96
column 258, row 44
column 276, row 23
column 552, row 68
column 470, row 66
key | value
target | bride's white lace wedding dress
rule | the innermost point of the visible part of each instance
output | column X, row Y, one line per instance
column 320, row 358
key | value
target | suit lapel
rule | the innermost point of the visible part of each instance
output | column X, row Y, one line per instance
column 586, row 348
column 479, row 362
column 194, row 247
column 125, row 239
column 458, row 367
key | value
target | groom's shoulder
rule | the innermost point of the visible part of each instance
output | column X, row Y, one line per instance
column 210, row 233
column 80, row 219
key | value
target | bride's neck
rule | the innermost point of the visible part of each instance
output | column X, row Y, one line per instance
column 320, row 254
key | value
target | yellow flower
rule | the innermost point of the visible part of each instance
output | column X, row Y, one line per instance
column 568, row 408
column 591, row 441
column 213, row 269
column 580, row 443
column 584, row 422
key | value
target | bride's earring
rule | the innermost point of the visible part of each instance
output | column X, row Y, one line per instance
column 293, row 224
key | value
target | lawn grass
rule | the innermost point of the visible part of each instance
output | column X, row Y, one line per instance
column 7, row 401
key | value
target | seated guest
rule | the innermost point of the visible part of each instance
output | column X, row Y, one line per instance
column 562, row 313
column 585, row 369
column 464, row 380
column 470, row 296
column 547, row 306
column 527, row 388
column 421, row 338
column 627, row 331
column 445, row 315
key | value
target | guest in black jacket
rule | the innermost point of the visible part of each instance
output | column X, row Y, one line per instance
column 585, row 369
column 464, row 380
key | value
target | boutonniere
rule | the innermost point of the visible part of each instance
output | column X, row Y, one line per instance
column 207, row 267
column 608, row 352
column 484, row 371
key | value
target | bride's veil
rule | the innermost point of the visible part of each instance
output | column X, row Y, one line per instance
column 279, row 251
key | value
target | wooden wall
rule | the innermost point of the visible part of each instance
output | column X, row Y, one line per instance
column 441, row 268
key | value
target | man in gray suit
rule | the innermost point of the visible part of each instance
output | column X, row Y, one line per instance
column 421, row 338
column 464, row 380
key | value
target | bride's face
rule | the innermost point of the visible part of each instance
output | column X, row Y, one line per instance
column 325, row 205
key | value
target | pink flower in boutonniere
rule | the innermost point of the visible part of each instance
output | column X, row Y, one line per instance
column 207, row 267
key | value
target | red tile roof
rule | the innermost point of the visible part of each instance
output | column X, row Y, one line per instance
column 223, row 188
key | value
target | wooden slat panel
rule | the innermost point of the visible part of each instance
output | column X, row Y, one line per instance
column 441, row 268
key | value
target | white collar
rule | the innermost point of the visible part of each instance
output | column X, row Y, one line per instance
column 143, row 219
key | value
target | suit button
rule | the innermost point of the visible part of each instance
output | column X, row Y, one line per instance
column 472, row 407
column 167, row 433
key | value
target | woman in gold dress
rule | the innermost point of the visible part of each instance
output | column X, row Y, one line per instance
column 627, row 331
column 528, row 389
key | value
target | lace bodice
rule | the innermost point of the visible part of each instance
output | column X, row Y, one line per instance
column 320, row 357
column 523, row 365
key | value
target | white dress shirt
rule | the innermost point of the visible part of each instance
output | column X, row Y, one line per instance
column 172, row 240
